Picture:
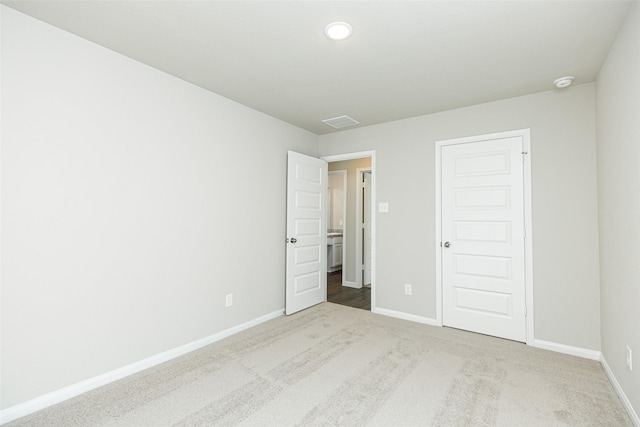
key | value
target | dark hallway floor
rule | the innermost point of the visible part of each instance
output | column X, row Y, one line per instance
column 344, row 295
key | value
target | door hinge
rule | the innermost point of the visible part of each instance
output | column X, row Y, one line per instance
column 525, row 311
column 524, row 156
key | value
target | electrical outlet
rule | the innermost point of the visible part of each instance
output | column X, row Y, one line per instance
column 407, row 289
column 229, row 300
column 629, row 358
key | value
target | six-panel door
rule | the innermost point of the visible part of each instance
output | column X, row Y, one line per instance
column 306, row 276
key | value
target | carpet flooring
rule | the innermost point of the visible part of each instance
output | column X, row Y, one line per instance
column 333, row 365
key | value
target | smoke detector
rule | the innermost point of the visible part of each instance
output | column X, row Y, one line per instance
column 563, row 82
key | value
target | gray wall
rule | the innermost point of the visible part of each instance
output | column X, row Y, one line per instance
column 132, row 202
column 619, row 202
column 565, row 224
column 349, row 236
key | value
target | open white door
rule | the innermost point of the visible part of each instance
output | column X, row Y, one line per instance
column 306, row 277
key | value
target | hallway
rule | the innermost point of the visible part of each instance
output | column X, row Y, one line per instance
column 344, row 295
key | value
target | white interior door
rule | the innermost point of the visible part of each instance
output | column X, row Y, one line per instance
column 483, row 259
column 366, row 219
column 306, row 259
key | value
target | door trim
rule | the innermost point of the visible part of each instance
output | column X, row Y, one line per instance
column 360, row 155
column 528, row 222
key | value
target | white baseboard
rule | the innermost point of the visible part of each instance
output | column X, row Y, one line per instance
column 405, row 316
column 623, row 397
column 351, row 284
column 34, row 405
column 567, row 349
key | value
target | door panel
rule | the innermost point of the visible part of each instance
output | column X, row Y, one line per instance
column 486, row 232
column 483, row 274
column 483, row 302
column 307, row 227
column 306, row 278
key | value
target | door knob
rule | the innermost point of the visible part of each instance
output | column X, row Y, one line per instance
column 447, row 244
column 293, row 240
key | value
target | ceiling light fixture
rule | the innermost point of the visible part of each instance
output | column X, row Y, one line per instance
column 338, row 30
column 563, row 82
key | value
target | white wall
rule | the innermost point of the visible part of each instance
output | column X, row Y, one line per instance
column 132, row 202
column 618, row 95
column 565, row 224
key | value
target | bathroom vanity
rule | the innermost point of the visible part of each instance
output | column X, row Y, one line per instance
column 334, row 252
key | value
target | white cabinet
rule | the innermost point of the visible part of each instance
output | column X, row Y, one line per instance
column 334, row 253
column 336, row 258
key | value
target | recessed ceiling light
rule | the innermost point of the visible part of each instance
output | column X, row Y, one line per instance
column 338, row 30
column 563, row 82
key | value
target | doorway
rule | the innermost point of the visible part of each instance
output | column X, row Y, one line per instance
column 345, row 284
column 483, row 229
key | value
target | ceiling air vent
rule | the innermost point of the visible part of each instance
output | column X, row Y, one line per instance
column 341, row 122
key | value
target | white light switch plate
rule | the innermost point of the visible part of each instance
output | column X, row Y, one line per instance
column 383, row 207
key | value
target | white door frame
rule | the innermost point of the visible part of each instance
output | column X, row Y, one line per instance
column 528, row 222
column 354, row 156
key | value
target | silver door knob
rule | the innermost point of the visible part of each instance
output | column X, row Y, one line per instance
column 293, row 240
column 447, row 244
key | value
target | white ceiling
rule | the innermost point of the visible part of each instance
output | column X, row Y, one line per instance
column 404, row 59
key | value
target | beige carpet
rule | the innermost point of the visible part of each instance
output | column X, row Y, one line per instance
column 335, row 365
